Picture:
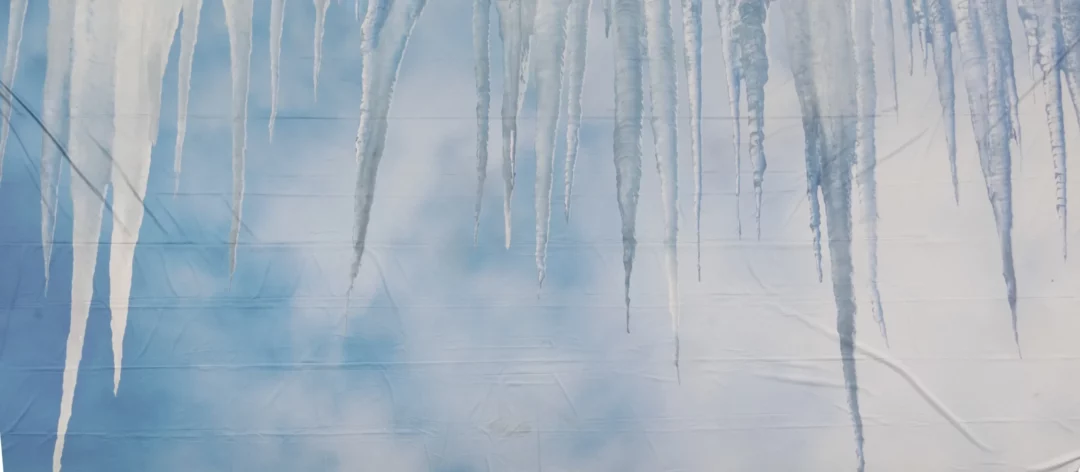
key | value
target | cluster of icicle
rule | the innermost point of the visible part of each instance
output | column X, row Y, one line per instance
column 108, row 58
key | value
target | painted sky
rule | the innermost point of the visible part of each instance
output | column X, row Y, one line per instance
column 449, row 359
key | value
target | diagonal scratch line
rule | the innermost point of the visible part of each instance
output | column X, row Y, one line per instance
column 7, row 92
column 903, row 372
column 130, row 186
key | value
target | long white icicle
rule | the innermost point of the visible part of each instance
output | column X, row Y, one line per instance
column 663, row 92
column 57, row 72
column 728, row 18
column 629, row 104
column 89, row 141
column 515, row 28
column 277, row 23
column 382, row 63
column 189, row 35
column 16, row 18
column 577, row 32
column 691, row 10
column 144, row 38
column 238, row 19
column 549, row 44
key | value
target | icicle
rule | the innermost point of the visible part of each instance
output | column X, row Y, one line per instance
column 577, row 37
column 189, row 34
column 629, row 104
column 941, row 29
column 984, row 51
column 373, row 22
column 726, row 13
column 607, row 18
column 382, row 63
column 663, row 92
column 833, row 64
column 1049, row 47
column 865, row 144
column 482, row 54
column 1028, row 18
column 1070, row 62
column 57, row 70
column 909, row 23
column 238, row 18
column 277, row 23
column 890, row 40
column 550, row 42
column 515, row 28
column 754, row 64
column 16, row 17
column 801, row 53
column 144, row 37
column 91, row 104
column 692, row 58
column 320, row 26
column 998, row 21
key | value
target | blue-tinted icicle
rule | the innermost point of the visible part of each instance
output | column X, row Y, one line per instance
column 663, row 92
column 691, row 10
column 482, row 56
column 576, row 46
column 939, row 16
column 548, row 48
column 827, row 23
column 865, row 143
column 382, row 64
column 629, row 103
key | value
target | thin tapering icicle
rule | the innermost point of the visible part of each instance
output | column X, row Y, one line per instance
column 277, row 23
column 548, row 49
column 988, row 53
column 89, row 141
column 890, row 48
column 692, row 61
column 238, row 20
column 189, row 34
column 865, row 142
column 800, row 51
column 144, row 38
column 515, row 28
column 577, row 37
column 833, row 60
column 1044, row 30
column 381, row 64
column 58, row 43
column 482, row 57
column 663, row 92
column 754, row 67
column 321, row 6
column 629, row 104
column 939, row 16
column 728, row 16
column 16, row 18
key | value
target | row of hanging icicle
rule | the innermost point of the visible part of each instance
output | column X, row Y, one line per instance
column 108, row 58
